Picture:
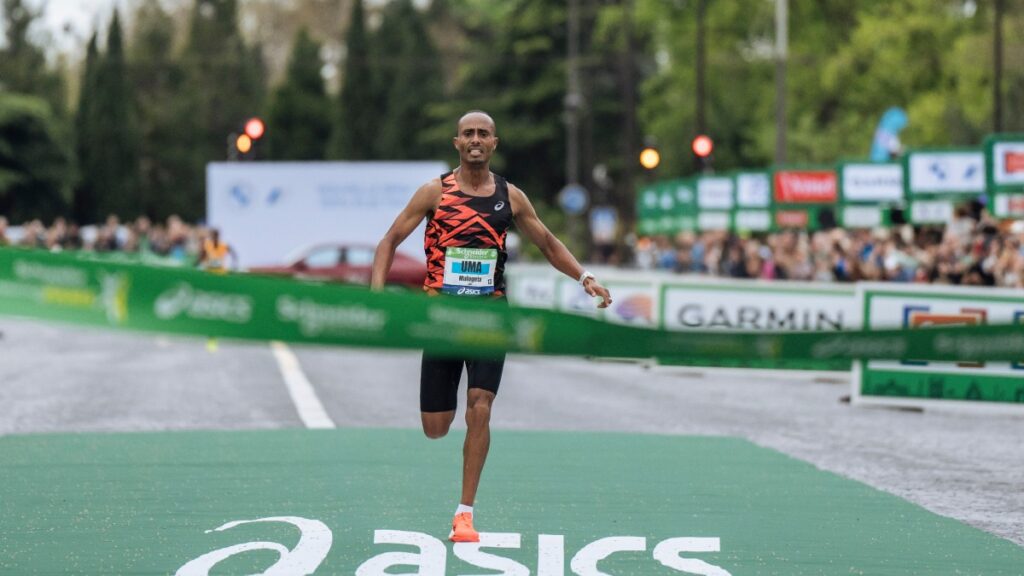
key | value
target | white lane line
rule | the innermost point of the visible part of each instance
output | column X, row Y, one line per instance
column 310, row 410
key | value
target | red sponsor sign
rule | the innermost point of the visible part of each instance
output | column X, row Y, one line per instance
column 806, row 187
column 791, row 218
column 1014, row 162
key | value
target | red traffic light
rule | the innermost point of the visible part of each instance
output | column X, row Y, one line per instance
column 703, row 146
column 254, row 128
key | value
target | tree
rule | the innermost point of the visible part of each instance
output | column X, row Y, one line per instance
column 23, row 66
column 33, row 160
column 84, row 207
column 224, row 88
column 300, row 110
column 409, row 82
column 166, row 132
column 515, row 70
column 116, row 146
column 356, row 127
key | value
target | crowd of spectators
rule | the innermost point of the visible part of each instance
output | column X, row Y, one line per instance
column 967, row 251
column 174, row 239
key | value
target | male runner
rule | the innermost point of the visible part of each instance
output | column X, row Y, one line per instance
column 468, row 212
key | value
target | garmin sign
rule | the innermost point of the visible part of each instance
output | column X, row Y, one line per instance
column 752, row 310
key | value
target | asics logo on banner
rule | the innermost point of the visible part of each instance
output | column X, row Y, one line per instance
column 499, row 205
column 469, row 291
column 183, row 299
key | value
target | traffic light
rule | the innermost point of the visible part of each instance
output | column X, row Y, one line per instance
column 650, row 157
column 242, row 144
column 702, row 147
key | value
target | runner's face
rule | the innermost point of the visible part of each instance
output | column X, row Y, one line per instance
column 476, row 140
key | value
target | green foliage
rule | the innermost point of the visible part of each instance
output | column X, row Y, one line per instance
column 166, row 135
column 115, row 139
column 224, row 88
column 409, row 82
column 23, row 66
column 358, row 113
column 515, row 71
column 84, row 207
column 33, row 160
column 300, row 112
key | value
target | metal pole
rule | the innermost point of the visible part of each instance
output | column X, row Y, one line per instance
column 701, row 57
column 997, row 63
column 781, row 54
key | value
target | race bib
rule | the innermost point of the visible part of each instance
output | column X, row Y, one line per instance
column 469, row 271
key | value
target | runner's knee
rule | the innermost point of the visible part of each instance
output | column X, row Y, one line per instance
column 436, row 426
column 478, row 411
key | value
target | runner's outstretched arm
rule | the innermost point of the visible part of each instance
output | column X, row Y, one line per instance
column 422, row 203
column 552, row 248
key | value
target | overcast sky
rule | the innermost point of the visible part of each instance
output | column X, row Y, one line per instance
column 77, row 16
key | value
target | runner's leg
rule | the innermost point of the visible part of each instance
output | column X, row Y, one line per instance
column 478, row 441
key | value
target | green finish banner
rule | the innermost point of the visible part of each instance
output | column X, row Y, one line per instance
column 66, row 288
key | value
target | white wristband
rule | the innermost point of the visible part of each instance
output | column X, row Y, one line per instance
column 584, row 276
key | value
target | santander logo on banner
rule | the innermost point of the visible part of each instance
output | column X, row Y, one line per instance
column 806, row 187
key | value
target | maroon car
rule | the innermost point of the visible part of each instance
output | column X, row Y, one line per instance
column 347, row 263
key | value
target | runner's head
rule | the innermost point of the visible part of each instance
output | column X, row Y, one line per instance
column 475, row 138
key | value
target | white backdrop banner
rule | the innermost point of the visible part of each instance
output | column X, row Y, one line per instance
column 269, row 210
column 872, row 182
column 952, row 172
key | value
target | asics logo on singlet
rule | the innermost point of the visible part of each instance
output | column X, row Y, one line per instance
column 469, row 291
column 499, row 205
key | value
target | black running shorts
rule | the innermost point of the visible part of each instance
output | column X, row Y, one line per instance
column 439, row 379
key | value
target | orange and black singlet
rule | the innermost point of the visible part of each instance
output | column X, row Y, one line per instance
column 465, row 241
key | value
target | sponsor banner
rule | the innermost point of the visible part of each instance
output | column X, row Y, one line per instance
column 931, row 211
column 913, row 379
column 806, row 187
column 1008, row 164
column 753, row 190
column 871, row 182
column 635, row 304
column 945, row 172
column 1006, row 205
column 713, row 221
column 532, row 290
column 268, row 211
column 572, row 298
column 862, row 216
column 759, row 309
column 714, row 193
column 752, row 220
column 60, row 287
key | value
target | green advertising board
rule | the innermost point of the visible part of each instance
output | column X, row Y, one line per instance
column 937, row 180
column 1004, row 170
column 913, row 382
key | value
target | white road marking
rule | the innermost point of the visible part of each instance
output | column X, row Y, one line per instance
column 308, row 405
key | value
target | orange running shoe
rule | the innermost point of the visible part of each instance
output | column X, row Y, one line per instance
column 462, row 529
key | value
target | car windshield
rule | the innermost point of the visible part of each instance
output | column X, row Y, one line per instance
column 326, row 257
